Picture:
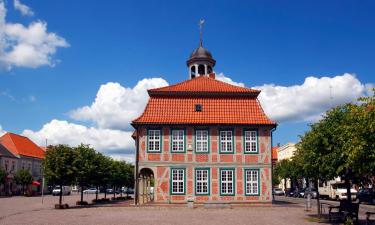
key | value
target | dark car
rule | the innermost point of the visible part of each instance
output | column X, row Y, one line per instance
column 366, row 195
column 305, row 191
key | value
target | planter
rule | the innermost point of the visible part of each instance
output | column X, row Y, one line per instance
column 62, row 206
column 82, row 203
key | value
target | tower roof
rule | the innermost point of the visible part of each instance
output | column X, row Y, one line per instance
column 201, row 54
column 21, row 146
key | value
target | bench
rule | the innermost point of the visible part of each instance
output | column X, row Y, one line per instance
column 368, row 215
column 342, row 211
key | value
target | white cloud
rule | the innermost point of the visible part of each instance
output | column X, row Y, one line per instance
column 29, row 46
column 228, row 80
column 2, row 132
column 116, row 106
column 308, row 101
column 24, row 9
column 110, row 142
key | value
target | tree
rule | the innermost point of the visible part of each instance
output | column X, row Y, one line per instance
column 3, row 177
column 58, row 166
column 102, row 173
column 85, row 166
column 23, row 178
column 341, row 144
column 286, row 169
column 122, row 175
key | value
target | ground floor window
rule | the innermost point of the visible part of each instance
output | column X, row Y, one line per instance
column 202, row 181
column 252, row 181
column 227, row 181
column 178, row 181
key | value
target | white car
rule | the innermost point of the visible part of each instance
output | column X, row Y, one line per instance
column 57, row 190
column 90, row 191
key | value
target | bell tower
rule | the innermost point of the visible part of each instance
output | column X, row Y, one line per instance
column 201, row 62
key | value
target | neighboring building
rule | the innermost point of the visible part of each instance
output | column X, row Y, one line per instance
column 8, row 163
column 27, row 155
column 286, row 152
column 203, row 140
column 274, row 156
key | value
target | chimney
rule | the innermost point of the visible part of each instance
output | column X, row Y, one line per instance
column 211, row 75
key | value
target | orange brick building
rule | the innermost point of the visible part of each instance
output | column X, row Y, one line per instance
column 203, row 140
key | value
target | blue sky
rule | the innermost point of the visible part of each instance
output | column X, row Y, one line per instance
column 254, row 42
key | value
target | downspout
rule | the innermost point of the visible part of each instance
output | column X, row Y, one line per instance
column 273, row 196
column 136, row 202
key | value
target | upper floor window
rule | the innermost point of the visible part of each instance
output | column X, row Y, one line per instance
column 178, row 181
column 201, row 141
column 226, row 141
column 251, row 141
column 154, row 140
column 178, row 139
column 6, row 165
column 252, row 181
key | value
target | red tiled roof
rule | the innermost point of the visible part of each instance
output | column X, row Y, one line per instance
column 274, row 152
column 219, row 101
column 203, row 85
column 20, row 145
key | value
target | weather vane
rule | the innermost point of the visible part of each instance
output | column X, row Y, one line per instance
column 201, row 22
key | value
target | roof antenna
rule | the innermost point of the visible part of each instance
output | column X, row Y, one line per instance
column 201, row 22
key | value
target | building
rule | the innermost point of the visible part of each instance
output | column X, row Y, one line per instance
column 25, row 155
column 286, row 152
column 203, row 140
column 274, row 155
column 8, row 163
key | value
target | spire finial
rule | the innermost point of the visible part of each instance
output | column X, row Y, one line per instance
column 201, row 22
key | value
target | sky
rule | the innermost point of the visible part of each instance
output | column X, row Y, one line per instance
column 78, row 71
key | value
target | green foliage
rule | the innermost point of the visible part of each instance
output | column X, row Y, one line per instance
column 84, row 165
column 2, row 176
column 58, row 165
column 23, row 177
column 341, row 144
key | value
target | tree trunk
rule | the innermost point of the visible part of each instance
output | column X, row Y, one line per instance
column 61, row 193
column 317, row 197
column 105, row 193
column 348, row 194
column 81, row 193
column 97, row 192
column 285, row 191
column 114, row 191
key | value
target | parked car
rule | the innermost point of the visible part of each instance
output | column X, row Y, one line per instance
column 90, row 191
column 278, row 191
column 304, row 191
column 366, row 195
column 57, row 190
column 128, row 191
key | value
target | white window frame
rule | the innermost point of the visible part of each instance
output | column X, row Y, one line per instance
column 201, row 141
column 226, row 141
column 252, row 182
column 202, row 179
column 178, row 181
column 178, row 140
column 251, row 141
column 154, row 140
column 225, row 183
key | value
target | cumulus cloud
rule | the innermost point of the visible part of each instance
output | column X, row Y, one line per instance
column 2, row 132
column 24, row 9
column 308, row 101
column 110, row 142
column 29, row 46
column 116, row 106
column 222, row 77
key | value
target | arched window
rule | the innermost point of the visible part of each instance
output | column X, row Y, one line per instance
column 209, row 69
column 192, row 72
column 201, row 70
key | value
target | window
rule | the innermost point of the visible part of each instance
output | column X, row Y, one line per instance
column 13, row 165
column 251, row 182
column 178, row 181
column 198, row 108
column 251, row 141
column 6, row 165
column 202, row 181
column 226, row 141
column 201, row 141
column 177, row 143
column 154, row 142
column 227, row 181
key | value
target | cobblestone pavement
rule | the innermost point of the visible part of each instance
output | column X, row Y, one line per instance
column 24, row 210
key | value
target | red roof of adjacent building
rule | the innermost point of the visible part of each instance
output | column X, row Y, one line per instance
column 20, row 145
column 222, row 103
column 274, row 152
